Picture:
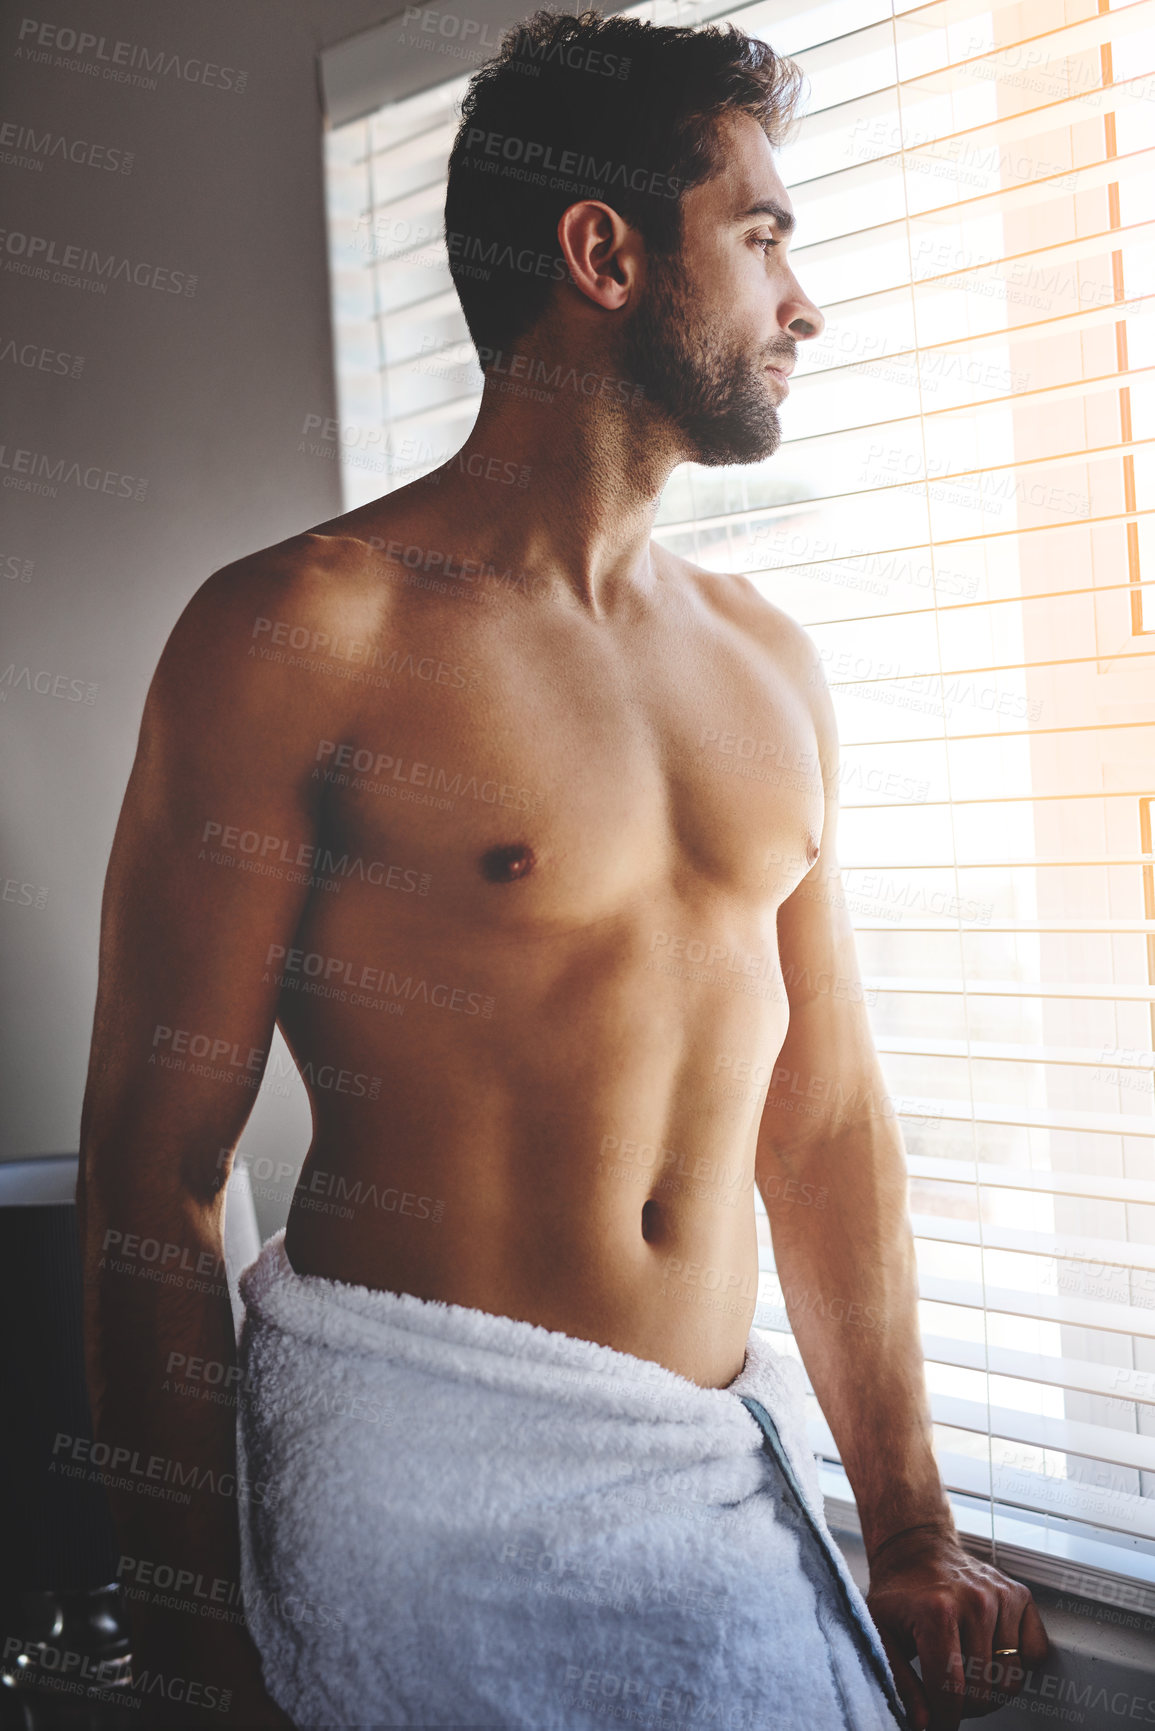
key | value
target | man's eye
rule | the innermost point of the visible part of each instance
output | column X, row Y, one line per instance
column 765, row 240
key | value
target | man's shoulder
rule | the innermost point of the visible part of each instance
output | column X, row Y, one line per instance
column 301, row 594
column 322, row 570
column 743, row 604
column 251, row 636
column 788, row 646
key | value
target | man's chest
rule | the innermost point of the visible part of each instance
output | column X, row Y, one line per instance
column 555, row 776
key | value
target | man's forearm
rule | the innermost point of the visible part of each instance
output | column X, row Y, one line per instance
column 156, row 1300
column 850, row 1284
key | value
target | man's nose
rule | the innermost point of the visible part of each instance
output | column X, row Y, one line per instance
column 799, row 316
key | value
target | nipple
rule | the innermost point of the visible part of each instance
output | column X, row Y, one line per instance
column 504, row 865
column 811, row 850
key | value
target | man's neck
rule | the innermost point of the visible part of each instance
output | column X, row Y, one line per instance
column 593, row 466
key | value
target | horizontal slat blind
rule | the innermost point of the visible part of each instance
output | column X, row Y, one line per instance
column 961, row 514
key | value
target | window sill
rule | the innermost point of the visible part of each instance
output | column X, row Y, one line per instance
column 1100, row 1670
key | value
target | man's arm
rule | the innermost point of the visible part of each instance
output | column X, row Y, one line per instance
column 850, row 1283
column 184, row 1018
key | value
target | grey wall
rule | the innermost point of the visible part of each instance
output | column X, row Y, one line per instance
column 202, row 395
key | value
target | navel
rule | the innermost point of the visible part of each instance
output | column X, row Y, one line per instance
column 651, row 1220
column 504, row 865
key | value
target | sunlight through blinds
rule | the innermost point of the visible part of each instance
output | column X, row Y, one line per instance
column 960, row 513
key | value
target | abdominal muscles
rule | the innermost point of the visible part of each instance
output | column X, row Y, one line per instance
column 546, row 1130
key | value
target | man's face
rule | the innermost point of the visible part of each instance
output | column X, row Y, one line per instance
column 714, row 320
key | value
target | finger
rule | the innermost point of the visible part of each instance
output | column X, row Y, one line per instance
column 1008, row 1670
column 977, row 1630
column 1012, row 1603
column 909, row 1685
column 940, row 1656
column 1033, row 1643
column 946, row 1713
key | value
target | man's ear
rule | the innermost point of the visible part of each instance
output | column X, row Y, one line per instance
column 604, row 254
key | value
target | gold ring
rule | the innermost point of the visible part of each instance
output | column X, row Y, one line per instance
column 1000, row 1652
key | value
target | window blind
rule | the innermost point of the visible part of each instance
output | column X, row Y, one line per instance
column 960, row 515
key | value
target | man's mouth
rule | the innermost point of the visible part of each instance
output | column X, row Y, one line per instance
column 782, row 374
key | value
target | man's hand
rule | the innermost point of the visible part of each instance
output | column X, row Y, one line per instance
column 930, row 1597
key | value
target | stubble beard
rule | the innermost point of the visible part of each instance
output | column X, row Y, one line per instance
column 712, row 389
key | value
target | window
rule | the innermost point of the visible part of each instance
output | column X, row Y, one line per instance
column 956, row 515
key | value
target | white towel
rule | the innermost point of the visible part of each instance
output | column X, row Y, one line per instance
column 451, row 1518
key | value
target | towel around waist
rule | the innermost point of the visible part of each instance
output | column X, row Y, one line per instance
column 368, row 1339
column 438, row 1483
column 367, row 1328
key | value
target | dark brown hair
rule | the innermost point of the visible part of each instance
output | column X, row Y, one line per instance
column 577, row 105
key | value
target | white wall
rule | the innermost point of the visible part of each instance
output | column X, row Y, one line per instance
column 202, row 395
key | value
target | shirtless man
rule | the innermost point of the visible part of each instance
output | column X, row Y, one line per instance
column 588, row 686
